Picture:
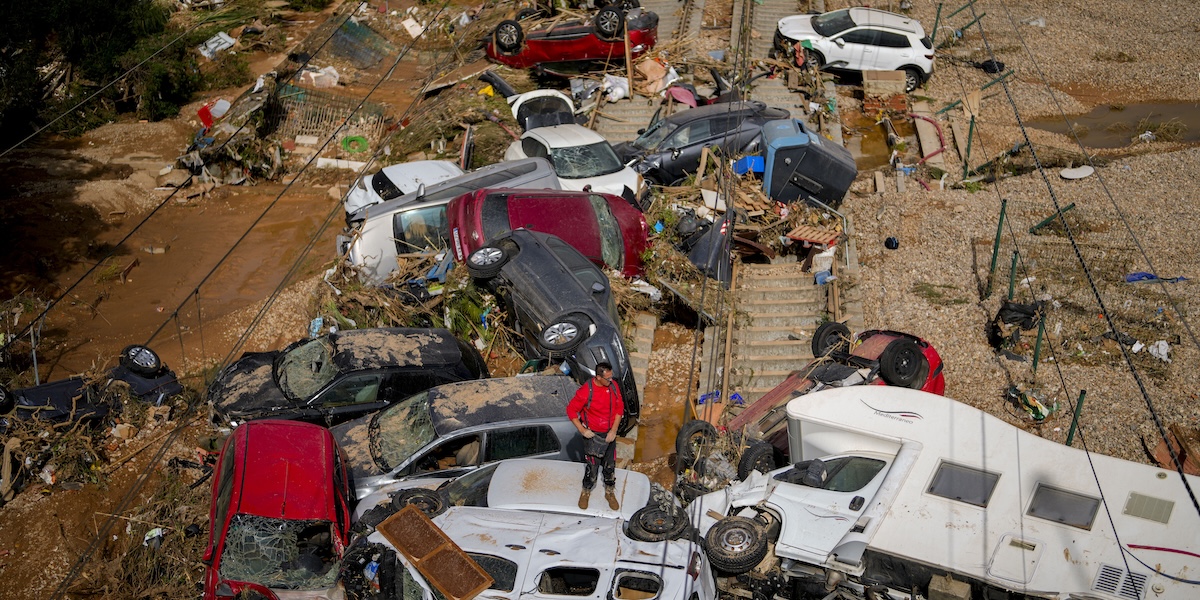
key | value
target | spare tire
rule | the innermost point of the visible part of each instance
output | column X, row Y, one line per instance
column 428, row 501
column 657, row 523
column 735, row 545
column 141, row 360
column 759, row 456
column 829, row 337
column 693, row 443
column 902, row 364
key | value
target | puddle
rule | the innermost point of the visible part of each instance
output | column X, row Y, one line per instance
column 867, row 141
column 1114, row 126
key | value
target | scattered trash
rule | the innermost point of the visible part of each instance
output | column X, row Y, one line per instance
column 1146, row 136
column 1137, row 347
column 1035, row 21
column 1120, row 337
column 990, row 66
column 1077, row 172
column 154, row 538
column 215, row 44
column 1160, row 350
column 642, row 286
column 47, row 473
column 314, row 327
column 614, row 87
column 1145, row 277
column 413, row 27
column 1031, row 403
column 891, row 243
column 325, row 78
column 124, row 431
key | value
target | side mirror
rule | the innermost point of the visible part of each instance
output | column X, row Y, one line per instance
column 675, row 152
column 641, row 131
column 598, row 288
column 840, row 42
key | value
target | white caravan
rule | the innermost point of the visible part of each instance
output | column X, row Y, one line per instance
column 895, row 488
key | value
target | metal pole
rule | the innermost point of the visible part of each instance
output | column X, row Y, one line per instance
column 973, row 21
column 1012, row 275
column 964, row 7
column 996, row 247
column 1075, row 419
column 970, row 138
column 1037, row 346
column 1051, row 218
column 936, row 20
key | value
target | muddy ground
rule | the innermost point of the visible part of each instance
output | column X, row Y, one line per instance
column 65, row 202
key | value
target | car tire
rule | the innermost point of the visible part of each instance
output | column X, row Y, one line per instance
column 735, row 545
column 7, row 401
column 693, row 443
column 508, row 36
column 563, row 335
column 427, row 501
column 141, row 360
column 829, row 337
column 912, row 79
column 901, row 364
column 813, row 59
column 486, row 262
column 657, row 523
column 759, row 456
column 610, row 23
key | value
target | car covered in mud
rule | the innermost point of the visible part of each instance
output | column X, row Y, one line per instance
column 280, row 513
column 605, row 228
column 561, row 305
column 139, row 372
column 452, row 429
column 340, row 376
column 572, row 41
column 519, row 520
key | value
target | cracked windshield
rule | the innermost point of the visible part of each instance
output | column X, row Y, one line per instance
column 592, row 160
column 400, row 431
column 306, row 368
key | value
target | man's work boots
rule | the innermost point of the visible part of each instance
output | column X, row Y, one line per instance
column 611, row 496
column 583, row 498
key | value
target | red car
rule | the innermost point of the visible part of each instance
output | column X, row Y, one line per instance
column 603, row 227
column 280, row 516
column 601, row 40
column 873, row 357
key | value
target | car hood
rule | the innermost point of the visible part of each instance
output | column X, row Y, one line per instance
column 246, row 389
column 798, row 27
column 354, row 439
column 626, row 151
column 613, row 183
column 361, row 196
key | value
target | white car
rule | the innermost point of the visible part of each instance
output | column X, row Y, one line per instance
column 519, row 521
column 583, row 160
column 397, row 180
column 859, row 39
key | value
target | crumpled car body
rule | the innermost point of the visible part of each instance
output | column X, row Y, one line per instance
column 340, row 376
column 455, row 428
column 561, row 304
column 396, row 180
column 280, row 513
column 573, row 41
column 583, row 160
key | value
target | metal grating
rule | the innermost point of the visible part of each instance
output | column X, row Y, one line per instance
column 1118, row 581
column 301, row 111
column 1149, row 507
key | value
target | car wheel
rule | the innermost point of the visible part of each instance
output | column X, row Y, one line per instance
column 141, row 360
column 508, row 36
column 693, row 443
column 610, row 23
column 655, row 523
column 912, row 79
column 427, row 501
column 486, row 262
column 759, row 456
column 563, row 335
column 902, row 363
column 736, row 544
column 7, row 401
column 829, row 337
column 813, row 59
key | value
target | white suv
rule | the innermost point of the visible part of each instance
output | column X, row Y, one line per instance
column 859, row 39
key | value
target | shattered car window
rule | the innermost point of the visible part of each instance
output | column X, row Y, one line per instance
column 280, row 554
column 832, row 23
column 612, row 248
column 592, row 160
column 655, row 135
column 398, row 432
column 305, row 369
column 470, row 489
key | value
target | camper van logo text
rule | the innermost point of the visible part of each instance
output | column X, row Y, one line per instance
column 904, row 416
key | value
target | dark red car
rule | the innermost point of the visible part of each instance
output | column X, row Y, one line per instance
column 603, row 39
column 280, row 516
column 873, row 357
column 603, row 227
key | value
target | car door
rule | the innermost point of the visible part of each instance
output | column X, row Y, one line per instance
column 684, row 148
column 858, row 48
column 895, row 51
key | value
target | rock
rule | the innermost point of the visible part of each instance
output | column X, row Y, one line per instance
column 124, row 431
column 173, row 178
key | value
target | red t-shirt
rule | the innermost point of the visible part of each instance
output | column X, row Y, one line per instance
column 603, row 412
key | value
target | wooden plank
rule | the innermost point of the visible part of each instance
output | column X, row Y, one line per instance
column 927, row 136
column 880, row 184
column 960, row 137
column 816, row 235
column 444, row 565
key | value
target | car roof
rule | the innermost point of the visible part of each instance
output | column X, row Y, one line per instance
column 882, row 18
column 703, row 112
column 565, row 136
column 286, row 470
column 505, row 399
column 408, row 175
column 553, row 486
column 383, row 347
column 442, row 192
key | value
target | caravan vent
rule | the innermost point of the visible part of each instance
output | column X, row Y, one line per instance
column 1149, row 507
column 1118, row 581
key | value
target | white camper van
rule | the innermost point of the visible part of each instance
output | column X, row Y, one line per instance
column 897, row 488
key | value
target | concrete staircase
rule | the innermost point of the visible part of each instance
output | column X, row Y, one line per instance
column 641, row 333
column 764, row 20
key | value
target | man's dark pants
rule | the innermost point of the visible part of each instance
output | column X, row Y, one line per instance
column 607, row 462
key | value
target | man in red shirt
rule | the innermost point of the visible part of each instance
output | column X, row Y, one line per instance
column 596, row 410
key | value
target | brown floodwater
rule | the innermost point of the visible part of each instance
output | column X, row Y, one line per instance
column 1118, row 125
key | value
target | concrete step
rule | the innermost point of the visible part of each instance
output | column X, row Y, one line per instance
column 748, row 296
column 786, row 319
column 777, row 307
column 803, row 333
column 764, row 281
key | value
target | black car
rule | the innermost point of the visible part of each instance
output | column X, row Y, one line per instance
column 80, row 399
column 340, row 376
column 670, row 148
column 561, row 304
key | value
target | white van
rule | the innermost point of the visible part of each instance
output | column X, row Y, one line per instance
column 394, row 181
column 416, row 221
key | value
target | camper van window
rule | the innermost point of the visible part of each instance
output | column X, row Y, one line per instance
column 851, row 473
column 1063, row 507
column 963, row 484
column 503, row 571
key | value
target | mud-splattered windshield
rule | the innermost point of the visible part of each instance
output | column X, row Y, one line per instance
column 305, row 369
column 398, row 432
column 280, row 554
column 592, row 160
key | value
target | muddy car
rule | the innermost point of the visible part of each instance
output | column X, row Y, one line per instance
column 340, row 376
column 561, row 304
column 74, row 399
column 519, row 521
column 452, row 429
column 280, row 513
